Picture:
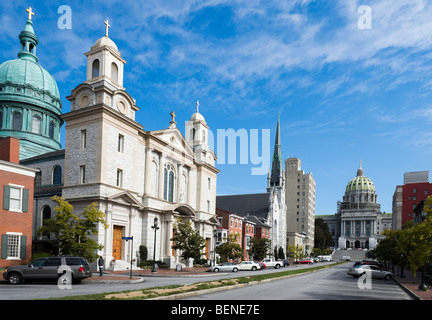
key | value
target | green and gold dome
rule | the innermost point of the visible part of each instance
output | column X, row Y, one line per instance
column 360, row 182
column 30, row 104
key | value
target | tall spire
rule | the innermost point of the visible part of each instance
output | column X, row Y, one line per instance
column 276, row 171
column 360, row 171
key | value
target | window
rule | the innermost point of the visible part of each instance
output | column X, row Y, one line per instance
column 51, row 130
column 36, row 124
column 57, row 175
column 95, row 69
column 13, row 246
column 82, row 174
column 83, row 139
column 208, row 206
column 169, row 182
column 209, row 183
column 1, row 118
column 16, row 121
column 15, row 198
column 114, row 72
column 120, row 143
column 38, row 179
column 119, row 178
column 414, row 190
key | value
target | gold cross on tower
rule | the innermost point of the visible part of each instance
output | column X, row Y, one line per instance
column 30, row 13
column 107, row 26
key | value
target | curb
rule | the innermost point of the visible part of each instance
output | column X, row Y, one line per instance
column 408, row 291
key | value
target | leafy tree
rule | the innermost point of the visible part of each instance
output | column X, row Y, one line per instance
column 323, row 238
column 295, row 252
column 230, row 249
column 187, row 240
column 260, row 247
column 73, row 232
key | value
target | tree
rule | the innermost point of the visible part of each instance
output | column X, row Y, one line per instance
column 187, row 240
column 73, row 232
column 323, row 238
column 281, row 254
column 260, row 247
column 295, row 252
column 230, row 248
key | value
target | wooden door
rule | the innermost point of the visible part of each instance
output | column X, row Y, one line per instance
column 117, row 242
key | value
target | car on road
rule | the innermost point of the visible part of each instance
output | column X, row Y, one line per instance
column 306, row 261
column 228, row 266
column 286, row 263
column 375, row 271
column 249, row 265
column 262, row 265
column 72, row 268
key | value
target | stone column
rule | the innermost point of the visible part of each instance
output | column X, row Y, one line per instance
column 147, row 177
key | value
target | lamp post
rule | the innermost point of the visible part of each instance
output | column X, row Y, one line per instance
column 155, row 227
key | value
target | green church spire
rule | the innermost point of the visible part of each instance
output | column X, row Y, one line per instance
column 275, row 179
column 28, row 40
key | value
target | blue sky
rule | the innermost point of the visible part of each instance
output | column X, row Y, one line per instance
column 344, row 93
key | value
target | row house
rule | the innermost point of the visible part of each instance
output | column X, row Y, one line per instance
column 247, row 227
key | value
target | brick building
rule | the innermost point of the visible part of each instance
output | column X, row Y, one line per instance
column 16, row 205
column 406, row 197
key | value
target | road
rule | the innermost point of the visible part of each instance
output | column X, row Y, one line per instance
column 328, row 284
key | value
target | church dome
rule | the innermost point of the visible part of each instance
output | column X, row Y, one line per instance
column 23, row 73
column 197, row 116
column 104, row 41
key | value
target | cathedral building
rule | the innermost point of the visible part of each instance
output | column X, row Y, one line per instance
column 136, row 177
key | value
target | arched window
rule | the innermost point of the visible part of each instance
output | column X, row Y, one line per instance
column 95, row 69
column 16, row 121
column 56, row 175
column 203, row 136
column 193, row 134
column 114, row 72
column 46, row 214
column 38, row 179
column 51, row 130
column 36, row 124
column 169, row 182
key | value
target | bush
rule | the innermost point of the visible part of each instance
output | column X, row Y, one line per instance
column 40, row 255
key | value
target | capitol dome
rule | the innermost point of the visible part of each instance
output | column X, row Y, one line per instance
column 360, row 182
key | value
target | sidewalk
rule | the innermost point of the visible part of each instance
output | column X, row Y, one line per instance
column 139, row 275
column 413, row 288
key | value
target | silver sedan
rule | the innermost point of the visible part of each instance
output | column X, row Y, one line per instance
column 232, row 267
column 375, row 271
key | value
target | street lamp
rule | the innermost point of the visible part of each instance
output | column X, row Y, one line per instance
column 155, row 227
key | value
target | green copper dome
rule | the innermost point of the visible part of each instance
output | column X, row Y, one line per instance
column 360, row 182
column 25, row 77
column 30, row 105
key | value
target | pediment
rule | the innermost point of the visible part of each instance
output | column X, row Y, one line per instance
column 174, row 139
column 126, row 198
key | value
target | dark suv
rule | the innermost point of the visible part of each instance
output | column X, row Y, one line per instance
column 49, row 268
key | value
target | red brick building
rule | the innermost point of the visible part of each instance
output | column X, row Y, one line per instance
column 406, row 197
column 16, row 205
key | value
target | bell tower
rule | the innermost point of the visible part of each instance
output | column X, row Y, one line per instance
column 104, row 62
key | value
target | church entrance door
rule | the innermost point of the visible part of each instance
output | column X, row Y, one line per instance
column 117, row 242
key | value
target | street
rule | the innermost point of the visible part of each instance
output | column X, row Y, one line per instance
column 329, row 284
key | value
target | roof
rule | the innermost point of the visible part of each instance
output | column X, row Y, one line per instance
column 256, row 204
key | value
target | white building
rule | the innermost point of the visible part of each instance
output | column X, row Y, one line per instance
column 134, row 175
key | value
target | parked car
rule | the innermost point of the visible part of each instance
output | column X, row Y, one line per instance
column 228, row 266
column 285, row 263
column 249, row 265
column 272, row 263
column 376, row 271
column 306, row 261
column 49, row 268
column 262, row 265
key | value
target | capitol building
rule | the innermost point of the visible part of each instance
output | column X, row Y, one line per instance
column 359, row 222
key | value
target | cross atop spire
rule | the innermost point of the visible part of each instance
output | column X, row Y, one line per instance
column 107, row 25
column 30, row 13
column 197, row 103
column 276, row 170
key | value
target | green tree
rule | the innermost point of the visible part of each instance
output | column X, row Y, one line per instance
column 73, row 232
column 187, row 240
column 295, row 252
column 281, row 254
column 230, row 248
column 323, row 238
column 260, row 247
